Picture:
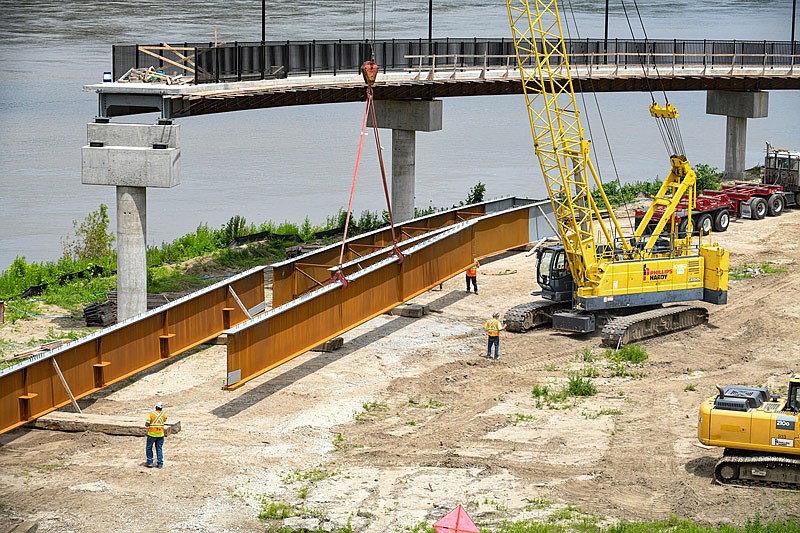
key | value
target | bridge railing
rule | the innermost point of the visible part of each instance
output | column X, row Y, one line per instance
column 207, row 62
column 452, row 65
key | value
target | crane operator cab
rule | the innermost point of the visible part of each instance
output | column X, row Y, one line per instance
column 553, row 275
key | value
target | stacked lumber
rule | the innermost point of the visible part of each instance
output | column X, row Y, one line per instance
column 102, row 314
column 46, row 347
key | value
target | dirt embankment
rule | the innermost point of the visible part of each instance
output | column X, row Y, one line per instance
column 408, row 419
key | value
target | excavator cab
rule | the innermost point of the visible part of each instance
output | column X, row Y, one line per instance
column 553, row 275
column 793, row 397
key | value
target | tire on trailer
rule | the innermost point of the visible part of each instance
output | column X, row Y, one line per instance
column 797, row 199
column 722, row 220
column 683, row 227
column 758, row 208
column 775, row 204
column 704, row 224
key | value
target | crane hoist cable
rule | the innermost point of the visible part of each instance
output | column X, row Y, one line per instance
column 590, row 81
column 667, row 116
column 369, row 69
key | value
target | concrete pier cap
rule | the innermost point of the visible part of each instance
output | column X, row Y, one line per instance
column 405, row 118
column 737, row 106
column 131, row 157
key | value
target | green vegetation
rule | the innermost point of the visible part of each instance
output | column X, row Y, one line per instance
column 602, row 412
column 84, row 272
column 586, row 355
column 690, row 387
column 708, row 177
column 516, row 418
column 309, row 476
column 631, row 353
column 580, row 386
column 92, row 240
column 569, row 520
column 576, row 386
column 747, row 272
column 368, row 408
column 339, row 443
column 431, row 404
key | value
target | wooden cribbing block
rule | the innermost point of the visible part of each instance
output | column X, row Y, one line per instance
column 131, row 426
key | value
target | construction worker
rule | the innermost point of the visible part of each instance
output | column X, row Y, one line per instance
column 155, row 435
column 493, row 327
column 472, row 274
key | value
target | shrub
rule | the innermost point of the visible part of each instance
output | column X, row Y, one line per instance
column 632, row 353
column 580, row 386
column 92, row 239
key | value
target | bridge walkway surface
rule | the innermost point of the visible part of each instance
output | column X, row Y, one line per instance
column 309, row 308
column 245, row 76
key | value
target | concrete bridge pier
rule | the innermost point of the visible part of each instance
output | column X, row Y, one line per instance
column 738, row 107
column 131, row 157
column 405, row 118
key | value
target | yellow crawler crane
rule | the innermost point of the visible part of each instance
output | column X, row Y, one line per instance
column 596, row 270
column 759, row 431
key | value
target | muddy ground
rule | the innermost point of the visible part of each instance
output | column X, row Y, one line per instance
column 408, row 419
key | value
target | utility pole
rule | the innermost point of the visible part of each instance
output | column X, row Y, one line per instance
column 794, row 17
column 605, row 39
column 263, row 22
column 430, row 20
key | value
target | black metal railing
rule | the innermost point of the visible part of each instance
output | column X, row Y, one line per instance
column 208, row 63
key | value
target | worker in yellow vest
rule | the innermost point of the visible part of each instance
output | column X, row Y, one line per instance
column 493, row 327
column 155, row 435
column 472, row 275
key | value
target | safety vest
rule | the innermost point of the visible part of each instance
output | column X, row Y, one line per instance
column 493, row 327
column 156, row 428
column 472, row 271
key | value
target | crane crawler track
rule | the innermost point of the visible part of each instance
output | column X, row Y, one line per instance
column 638, row 326
column 773, row 471
column 529, row 315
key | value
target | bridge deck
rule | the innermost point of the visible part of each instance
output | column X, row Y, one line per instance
column 740, row 68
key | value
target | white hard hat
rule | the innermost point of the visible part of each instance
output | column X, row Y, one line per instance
column 160, row 405
column 496, row 314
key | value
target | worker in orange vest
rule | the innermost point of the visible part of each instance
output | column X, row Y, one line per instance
column 155, row 435
column 493, row 327
column 472, row 275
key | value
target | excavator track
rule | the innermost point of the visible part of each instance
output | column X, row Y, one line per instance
column 775, row 471
column 529, row 315
column 638, row 326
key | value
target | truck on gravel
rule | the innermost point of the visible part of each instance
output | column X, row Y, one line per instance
column 779, row 188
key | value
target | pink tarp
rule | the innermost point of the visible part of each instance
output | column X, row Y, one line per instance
column 456, row 521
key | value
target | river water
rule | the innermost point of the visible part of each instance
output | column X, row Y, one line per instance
column 284, row 164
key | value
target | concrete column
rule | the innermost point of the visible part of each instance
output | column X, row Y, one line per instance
column 405, row 118
column 131, row 243
column 131, row 157
column 738, row 107
column 735, row 147
column 403, row 176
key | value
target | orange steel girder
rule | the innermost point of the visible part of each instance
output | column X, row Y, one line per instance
column 298, row 276
column 32, row 388
column 376, row 284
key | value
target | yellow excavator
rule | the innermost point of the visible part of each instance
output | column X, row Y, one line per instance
column 759, row 431
column 598, row 273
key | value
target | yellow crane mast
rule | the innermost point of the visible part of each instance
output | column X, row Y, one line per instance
column 606, row 269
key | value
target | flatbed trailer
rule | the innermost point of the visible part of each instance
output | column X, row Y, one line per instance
column 714, row 209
